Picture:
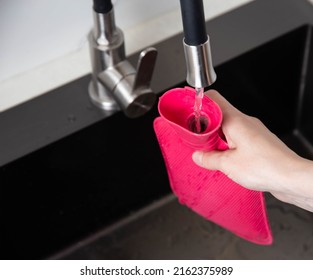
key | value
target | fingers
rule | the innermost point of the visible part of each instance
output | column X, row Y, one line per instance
column 225, row 106
column 197, row 157
column 217, row 160
column 209, row 160
column 219, row 99
column 212, row 160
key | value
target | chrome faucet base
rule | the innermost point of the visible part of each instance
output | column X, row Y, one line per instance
column 101, row 99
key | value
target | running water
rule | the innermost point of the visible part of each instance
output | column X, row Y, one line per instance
column 197, row 110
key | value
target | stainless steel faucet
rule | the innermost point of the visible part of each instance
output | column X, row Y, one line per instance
column 116, row 84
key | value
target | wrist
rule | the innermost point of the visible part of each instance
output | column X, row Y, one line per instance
column 299, row 180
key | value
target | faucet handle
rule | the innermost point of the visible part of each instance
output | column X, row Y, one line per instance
column 130, row 89
column 145, row 67
column 141, row 98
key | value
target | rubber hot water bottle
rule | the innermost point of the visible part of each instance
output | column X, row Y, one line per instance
column 211, row 194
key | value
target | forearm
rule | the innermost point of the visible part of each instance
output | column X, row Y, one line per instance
column 297, row 185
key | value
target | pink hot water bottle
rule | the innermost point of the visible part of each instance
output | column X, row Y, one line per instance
column 211, row 194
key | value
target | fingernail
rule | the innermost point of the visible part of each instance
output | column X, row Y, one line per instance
column 197, row 157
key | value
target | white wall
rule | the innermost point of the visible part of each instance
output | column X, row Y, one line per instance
column 37, row 31
column 43, row 42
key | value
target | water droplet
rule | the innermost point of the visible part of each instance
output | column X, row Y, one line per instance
column 71, row 118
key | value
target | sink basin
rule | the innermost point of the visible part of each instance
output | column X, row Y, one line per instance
column 100, row 195
column 273, row 82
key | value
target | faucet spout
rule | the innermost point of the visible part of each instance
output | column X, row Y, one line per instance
column 196, row 42
column 116, row 84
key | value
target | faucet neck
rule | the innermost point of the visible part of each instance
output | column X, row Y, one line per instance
column 193, row 22
column 102, row 6
column 200, row 71
column 105, row 30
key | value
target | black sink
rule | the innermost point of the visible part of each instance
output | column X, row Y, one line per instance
column 86, row 195
column 273, row 82
column 71, row 188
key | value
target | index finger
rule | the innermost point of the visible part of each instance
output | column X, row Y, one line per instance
column 226, row 107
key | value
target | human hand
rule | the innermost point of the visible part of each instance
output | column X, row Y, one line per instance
column 257, row 159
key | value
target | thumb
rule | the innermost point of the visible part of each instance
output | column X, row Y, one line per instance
column 209, row 160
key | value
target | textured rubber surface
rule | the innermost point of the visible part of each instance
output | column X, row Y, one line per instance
column 211, row 194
